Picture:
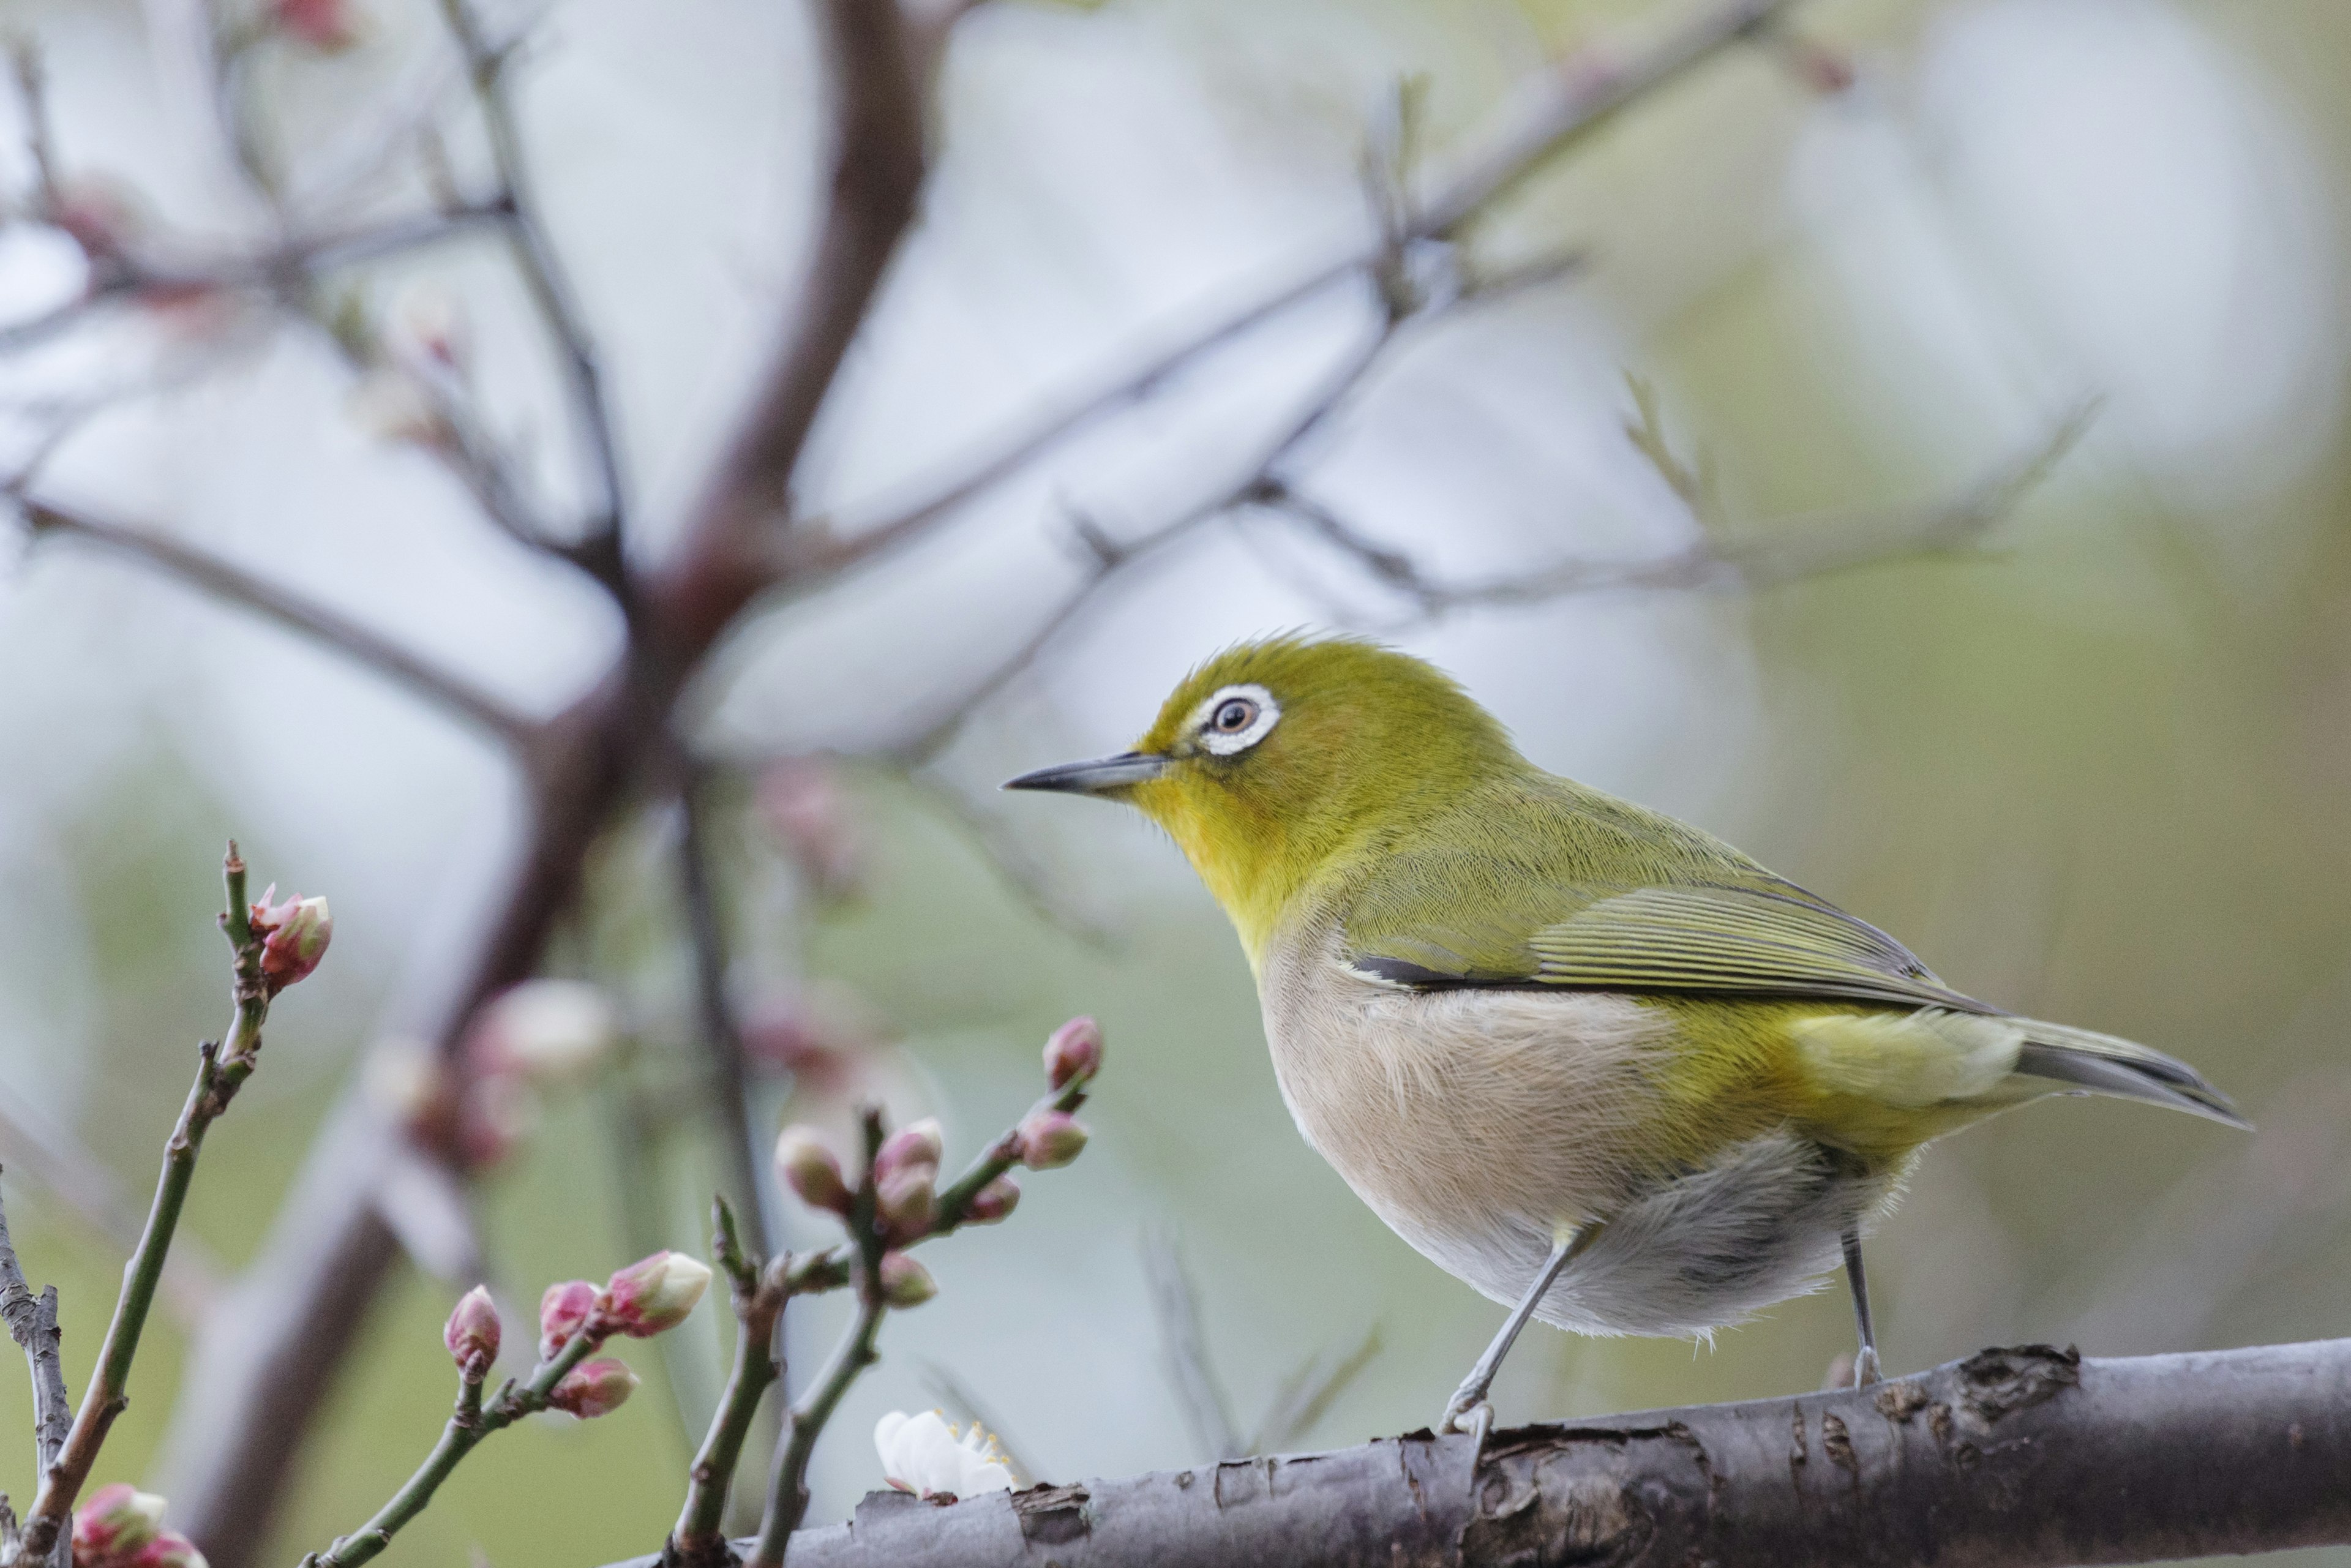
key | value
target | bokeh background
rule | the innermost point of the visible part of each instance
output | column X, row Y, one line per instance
column 2098, row 770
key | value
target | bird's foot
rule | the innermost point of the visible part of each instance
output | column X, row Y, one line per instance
column 1865, row 1367
column 1470, row 1412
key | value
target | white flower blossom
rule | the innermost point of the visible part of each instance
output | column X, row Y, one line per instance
column 549, row 1031
column 923, row 1455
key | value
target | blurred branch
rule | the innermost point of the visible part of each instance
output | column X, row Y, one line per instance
column 1175, row 1308
column 40, row 137
column 726, row 1077
column 81, row 1181
column 601, row 549
column 254, row 1398
column 1575, row 98
column 1785, row 552
column 308, row 619
column 33, row 1325
column 2027, row 1459
column 1307, row 1395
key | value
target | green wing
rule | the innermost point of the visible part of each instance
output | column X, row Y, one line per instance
column 1588, row 892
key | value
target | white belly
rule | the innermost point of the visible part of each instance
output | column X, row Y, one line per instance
column 1476, row 1121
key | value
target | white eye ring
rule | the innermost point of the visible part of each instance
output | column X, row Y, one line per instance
column 1252, row 715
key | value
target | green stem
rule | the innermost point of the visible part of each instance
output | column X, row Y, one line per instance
column 699, row 1539
column 788, row 1497
column 472, row 1422
column 221, row 1071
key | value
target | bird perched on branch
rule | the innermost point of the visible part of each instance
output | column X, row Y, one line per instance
column 1592, row 1061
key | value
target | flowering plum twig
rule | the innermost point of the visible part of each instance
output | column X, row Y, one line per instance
column 575, row 1320
column 894, row 1205
column 759, row 1293
column 274, row 946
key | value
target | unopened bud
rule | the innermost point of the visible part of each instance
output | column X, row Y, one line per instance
column 1073, row 1052
column 916, row 1147
column 472, row 1336
column 994, row 1201
column 810, row 1169
column 169, row 1550
column 905, row 1282
column 655, row 1294
column 593, row 1388
column 563, row 1311
column 1049, row 1139
column 294, row 936
column 115, row 1522
column 907, row 1200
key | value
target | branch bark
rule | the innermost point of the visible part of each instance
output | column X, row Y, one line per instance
column 2012, row 1457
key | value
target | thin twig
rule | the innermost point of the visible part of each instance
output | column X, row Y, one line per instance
column 1176, row 1307
column 80, row 1181
column 698, row 1539
column 600, row 551
column 327, row 628
column 788, row 1497
column 1783, row 552
column 1574, row 99
column 33, row 1325
column 1307, row 1395
column 221, row 1071
column 726, row 1074
column 473, row 1419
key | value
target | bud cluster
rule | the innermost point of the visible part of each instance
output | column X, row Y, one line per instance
column 650, row 1296
column 122, row 1527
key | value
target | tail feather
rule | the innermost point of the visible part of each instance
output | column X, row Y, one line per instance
column 2103, row 1064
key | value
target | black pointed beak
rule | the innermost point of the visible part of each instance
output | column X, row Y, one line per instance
column 1099, row 776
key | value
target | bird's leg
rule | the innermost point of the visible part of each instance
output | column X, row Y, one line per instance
column 1864, row 1361
column 1470, row 1412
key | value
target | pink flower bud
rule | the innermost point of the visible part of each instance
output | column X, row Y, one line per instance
column 1073, row 1052
column 810, row 1169
column 294, row 936
column 916, row 1147
column 169, row 1550
column 593, row 1388
column 472, row 1336
column 1051, row 1138
column 115, row 1522
column 907, row 1201
column 326, row 25
column 549, row 1033
column 994, row 1201
column 563, row 1311
column 655, row 1294
column 905, row 1282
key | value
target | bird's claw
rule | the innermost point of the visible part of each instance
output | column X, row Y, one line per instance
column 1475, row 1418
column 1865, row 1367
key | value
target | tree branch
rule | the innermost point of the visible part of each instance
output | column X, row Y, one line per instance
column 33, row 1325
column 728, row 1079
column 329, row 629
column 2016, row 1457
column 254, row 1395
column 1574, row 99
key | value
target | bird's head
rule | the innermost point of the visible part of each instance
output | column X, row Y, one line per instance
column 1275, row 757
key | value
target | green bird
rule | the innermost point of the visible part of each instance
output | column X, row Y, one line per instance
column 1590, row 1059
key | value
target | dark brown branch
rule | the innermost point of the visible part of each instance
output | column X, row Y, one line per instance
column 329, row 629
column 33, row 1325
column 1575, row 98
column 2013, row 1457
column 254, row 1395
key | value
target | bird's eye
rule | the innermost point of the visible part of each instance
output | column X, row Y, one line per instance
column 1233, row 716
